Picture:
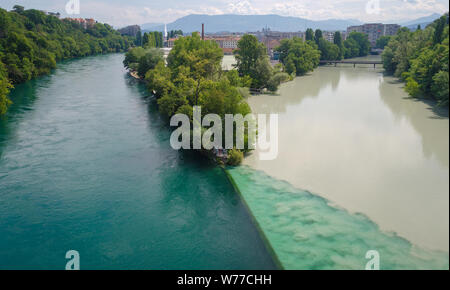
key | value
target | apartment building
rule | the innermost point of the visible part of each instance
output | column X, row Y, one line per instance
column 85, row 23
column 375, row 30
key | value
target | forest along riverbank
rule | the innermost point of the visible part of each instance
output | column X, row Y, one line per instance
column 86, row 165
column 376, row 162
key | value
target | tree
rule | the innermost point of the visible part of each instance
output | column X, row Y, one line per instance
column 337, row 39
column 299, row 57
column 235, row 157
column 340, row 43
column 18, row 9
column 159, row 80
column 383, row 41
column 276, row 80
column 132, row 57
column 203, row 58
column 421, row 58
column 439, row 29
column 248, row 52
column 145, row 39
column 138, row 41
column 261, row 73
column 149, row 60
column 175, row 33
column 328, row 50
column 309, row 35
column 362, row 41
column 318, row 36
column 252, row 61
column 351, row 48
column 5, row 86
column 194, row 76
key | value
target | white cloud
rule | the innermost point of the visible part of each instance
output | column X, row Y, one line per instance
column 125, row 12
column 242, row 7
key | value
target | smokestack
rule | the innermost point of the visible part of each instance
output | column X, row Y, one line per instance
column 203, row 31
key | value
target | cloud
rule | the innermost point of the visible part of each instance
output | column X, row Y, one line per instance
column 241, row 7
column 126, row 12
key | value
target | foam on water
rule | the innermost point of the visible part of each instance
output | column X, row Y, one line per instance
column 306, row 232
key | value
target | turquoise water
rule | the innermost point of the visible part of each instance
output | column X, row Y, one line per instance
column 306, row 232
column 86, row 165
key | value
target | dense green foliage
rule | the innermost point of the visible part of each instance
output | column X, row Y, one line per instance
column 253, row 62
column 153, row 39
column 383, row 41
column 421, row 59
column 31, row 42
column 192, row 77
column 5, row 85
column 235, row 157
column 328, row 50
column 142, row 60
column 356, row 44
column 318, row 35
column 174, row 33
column 340, row 43
column 298, row 56
column 309, row 36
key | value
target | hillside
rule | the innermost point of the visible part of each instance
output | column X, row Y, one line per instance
column 246, row 23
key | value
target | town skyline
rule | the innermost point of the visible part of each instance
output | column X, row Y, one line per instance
column 120, row 13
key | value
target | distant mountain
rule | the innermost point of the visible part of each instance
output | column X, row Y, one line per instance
column 152, row 26
column 247, row 23
column 423, row 21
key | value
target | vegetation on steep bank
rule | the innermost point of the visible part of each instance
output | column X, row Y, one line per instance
column 31, row 42
column 421, row 59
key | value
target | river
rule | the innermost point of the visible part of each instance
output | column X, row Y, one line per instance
column 361, row 166
column 86, row 165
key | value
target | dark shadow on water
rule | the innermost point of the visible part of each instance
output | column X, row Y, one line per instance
column 23, row 97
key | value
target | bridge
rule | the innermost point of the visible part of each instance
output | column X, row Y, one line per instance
column 354, row 62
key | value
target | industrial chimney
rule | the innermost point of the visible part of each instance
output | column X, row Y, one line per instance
column 203, row 31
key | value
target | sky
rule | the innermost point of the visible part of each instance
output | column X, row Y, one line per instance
column 120, row 13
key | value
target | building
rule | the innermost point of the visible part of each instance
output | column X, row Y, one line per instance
column 56, row 14
column 375, row 30
column 266, row 33
column 272, row 39
column 131, row 30
column 171, row 42
column 228, row 43
column 85, row 23
column 328, row 35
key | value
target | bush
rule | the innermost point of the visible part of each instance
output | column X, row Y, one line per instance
column 276, row 80
column 412, row 87
column 235, row 157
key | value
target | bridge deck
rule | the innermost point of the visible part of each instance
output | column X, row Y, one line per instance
column 351, row 61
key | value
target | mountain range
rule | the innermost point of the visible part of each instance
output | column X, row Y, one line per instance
column 250, row 23
column 423, row 21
